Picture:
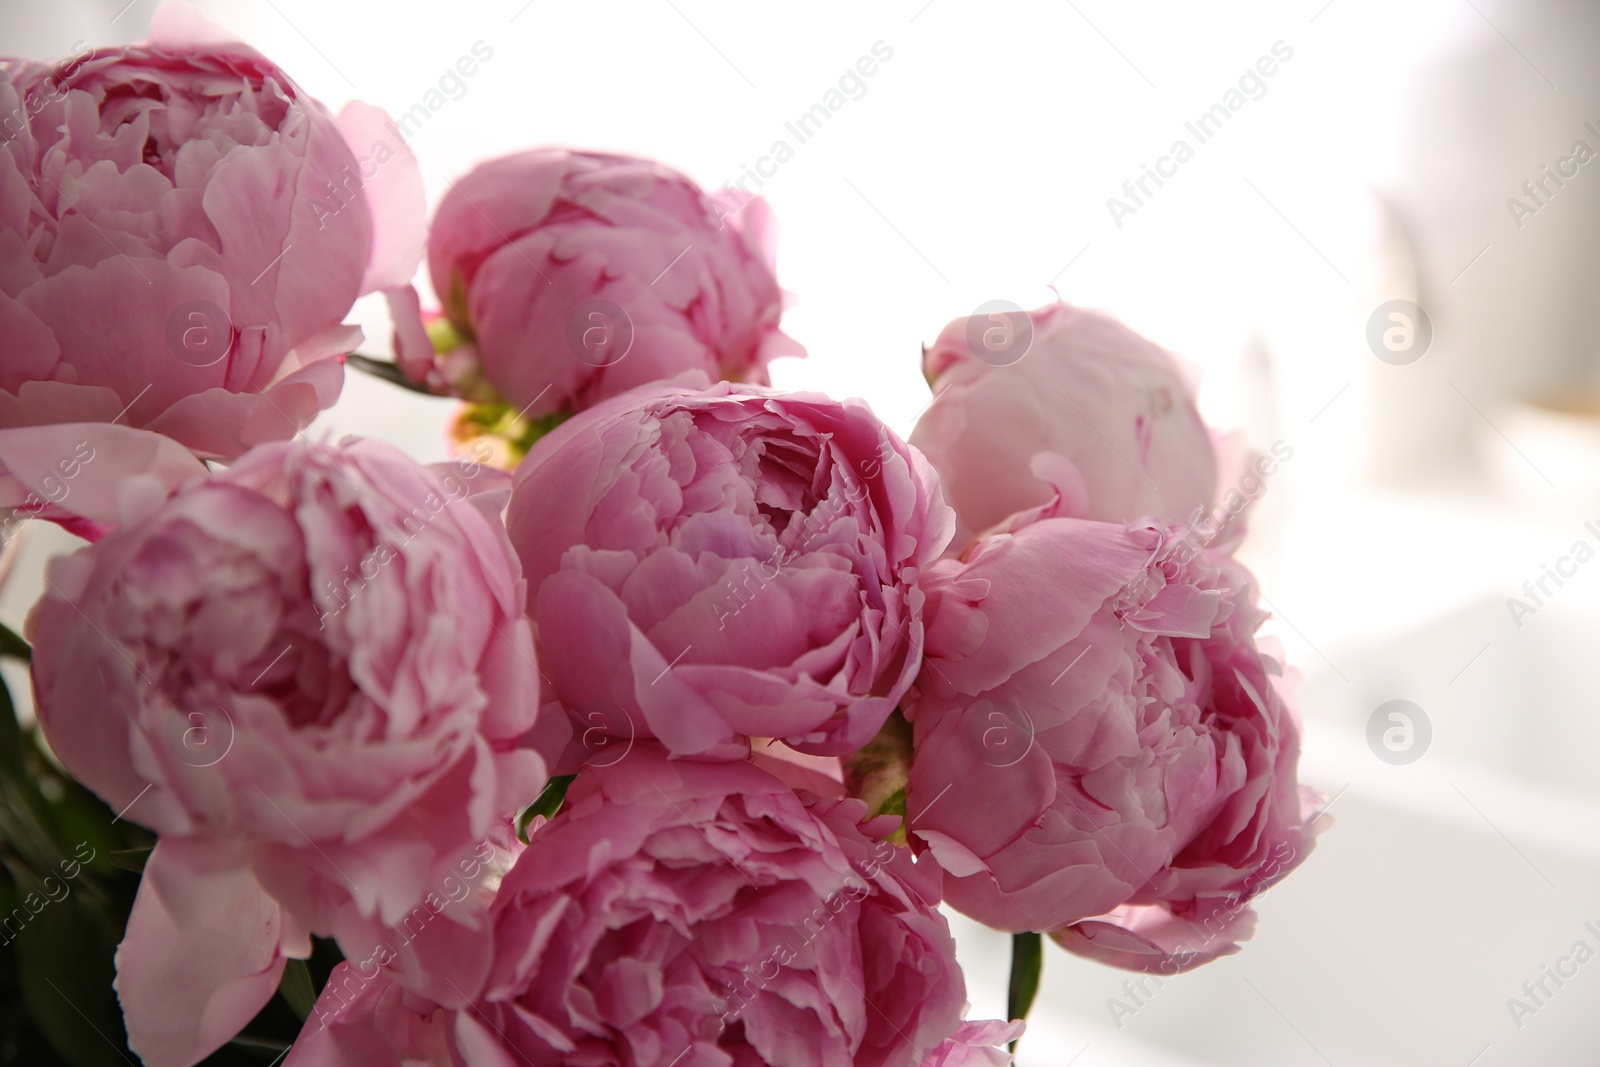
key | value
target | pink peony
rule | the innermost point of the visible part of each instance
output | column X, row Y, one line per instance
column 681, row 914
column 1061, row 399
column 82, row 475
column 312, row 676
column 183, row 234
column 977, row 1044
column 710, row 566
column 1109, row 735
column 570, row 277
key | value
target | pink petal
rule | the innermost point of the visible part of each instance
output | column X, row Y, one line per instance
column 362, row 1021
column 202, row 954
column 394, row 194
column 413, row 351
column 117, row 468
column 180, row 25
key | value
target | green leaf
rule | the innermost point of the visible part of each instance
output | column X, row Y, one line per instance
column 10, row 735
column 65, row 968
column 12, row 644
column 130, row 859
column 24, row 813
column 296, row 988
column 389, row 372
column 1027, row 961
column 547, row 803
column 81, row 824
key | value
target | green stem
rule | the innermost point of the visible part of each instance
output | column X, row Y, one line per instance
column 547, row 803
column 389, row 372
column 12, row 644
column 1027, row 961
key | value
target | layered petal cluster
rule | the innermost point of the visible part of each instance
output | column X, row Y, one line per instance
column 691, row 914
column 977, row 1044
column 182, row 232
column 707, row 566
column 569, row 277
column 1068, row 401
column 1122, row 743
column 311, row 675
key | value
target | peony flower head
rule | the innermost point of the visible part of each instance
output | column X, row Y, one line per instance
column 312, row 676
column 1117, row 739
column 1061, row 400
column 184, row 233
column 682, row 913
column 569, row 277
column 707, row 566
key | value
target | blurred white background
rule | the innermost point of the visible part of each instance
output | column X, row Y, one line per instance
column 1374, row 164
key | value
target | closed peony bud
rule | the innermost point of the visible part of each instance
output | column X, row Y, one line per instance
column 570, row 277
column 1072, row 402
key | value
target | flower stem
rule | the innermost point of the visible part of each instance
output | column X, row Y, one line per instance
column 12, row 644
column 389, row 372
column 1027, row 961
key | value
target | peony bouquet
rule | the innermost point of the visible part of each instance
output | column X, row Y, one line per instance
column 663, row 725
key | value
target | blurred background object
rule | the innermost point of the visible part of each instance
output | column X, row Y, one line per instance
column 1435, row 160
